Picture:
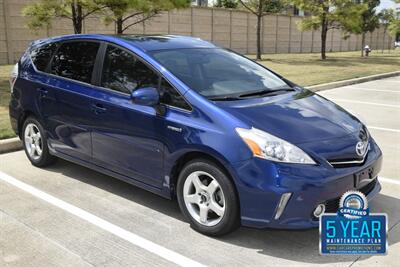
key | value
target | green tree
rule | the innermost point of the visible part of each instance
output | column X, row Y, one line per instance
column 326, row 15
column 227, row 3
column 368, row 22
column 126, row 13
column 41, row 13
column 274, row 6
column 387, row 17
column 260, row 8
column 394, row 28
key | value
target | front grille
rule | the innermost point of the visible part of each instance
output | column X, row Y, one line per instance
column 348, row 162
column 331, row 206
column 345, row 163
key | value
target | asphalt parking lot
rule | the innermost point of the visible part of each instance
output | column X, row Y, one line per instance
column 69, row 215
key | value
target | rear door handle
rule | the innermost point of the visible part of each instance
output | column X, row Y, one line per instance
column 98, row 108
column 43, row 92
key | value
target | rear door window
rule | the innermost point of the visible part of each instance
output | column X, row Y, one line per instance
column 41, row 55
column 75, row 60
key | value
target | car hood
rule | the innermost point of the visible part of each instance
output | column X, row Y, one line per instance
column 297, row 117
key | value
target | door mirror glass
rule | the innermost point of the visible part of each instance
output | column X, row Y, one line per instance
column 148, row 96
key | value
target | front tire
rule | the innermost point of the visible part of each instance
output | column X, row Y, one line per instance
column 35, row 143
column 207, row 197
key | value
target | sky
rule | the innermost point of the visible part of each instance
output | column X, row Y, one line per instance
column 386, row 4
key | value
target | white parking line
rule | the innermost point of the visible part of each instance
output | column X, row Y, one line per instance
column 103, row 224
column 384, row 129
column 366, row 103
column 388, row 180
column 372, row 90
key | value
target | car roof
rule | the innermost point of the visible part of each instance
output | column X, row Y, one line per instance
column 143, row 42
column 159, row 42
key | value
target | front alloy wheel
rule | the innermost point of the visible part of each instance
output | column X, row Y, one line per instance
column 204, row 198
column 207, row 197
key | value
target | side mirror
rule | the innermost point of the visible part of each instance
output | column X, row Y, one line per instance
column 147, row 96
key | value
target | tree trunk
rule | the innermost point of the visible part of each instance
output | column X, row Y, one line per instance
column 259, row 37
column 324, row 34
column 120, row 24
column 260, row 12
column 77, row 17
column 362, row 44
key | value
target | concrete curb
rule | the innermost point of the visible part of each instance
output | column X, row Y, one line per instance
column 9, row 145
column 14, row 144
column 326, row 86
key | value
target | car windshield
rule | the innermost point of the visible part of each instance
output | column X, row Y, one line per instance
column 217, row 73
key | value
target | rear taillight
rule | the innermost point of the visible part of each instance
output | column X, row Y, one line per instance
column 13, row 77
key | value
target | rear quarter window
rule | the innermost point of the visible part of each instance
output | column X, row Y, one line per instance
column 41, row 55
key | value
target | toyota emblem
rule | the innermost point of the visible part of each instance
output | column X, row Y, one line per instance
column 361, row 148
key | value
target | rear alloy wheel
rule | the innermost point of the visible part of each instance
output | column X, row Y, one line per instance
column 35, row 143
column 208, row 198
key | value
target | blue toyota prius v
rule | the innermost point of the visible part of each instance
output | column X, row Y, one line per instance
column 232, row 141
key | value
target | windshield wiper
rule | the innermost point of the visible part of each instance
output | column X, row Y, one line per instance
column 267, row 92
column 264, row 92
column 224, row 98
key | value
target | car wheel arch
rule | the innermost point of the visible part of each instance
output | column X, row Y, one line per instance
column 194, row 155
column 24, row 115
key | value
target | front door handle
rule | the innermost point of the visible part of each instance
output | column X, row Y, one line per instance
column 98, row 108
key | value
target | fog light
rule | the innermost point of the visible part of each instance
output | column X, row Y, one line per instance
column 319, row 210
column 282, row 204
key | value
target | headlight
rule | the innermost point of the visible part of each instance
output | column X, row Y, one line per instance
column 267, row 146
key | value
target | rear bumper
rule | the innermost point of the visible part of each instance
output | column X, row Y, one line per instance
column 262, row 183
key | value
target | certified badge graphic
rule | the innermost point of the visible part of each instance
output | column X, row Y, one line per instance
column 353, row 205
column 353, row 229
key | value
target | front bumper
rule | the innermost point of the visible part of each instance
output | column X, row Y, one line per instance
column 262, row 183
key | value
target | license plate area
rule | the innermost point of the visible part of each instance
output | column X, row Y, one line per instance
column 365, row 176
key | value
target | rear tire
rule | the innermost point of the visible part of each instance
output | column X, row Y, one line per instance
column 207, row 197
column 35, row 143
